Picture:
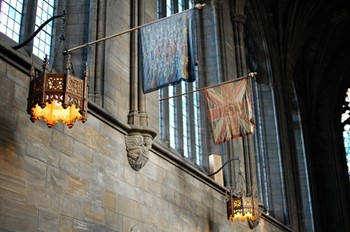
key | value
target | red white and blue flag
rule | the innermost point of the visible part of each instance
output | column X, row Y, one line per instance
column 230, row 111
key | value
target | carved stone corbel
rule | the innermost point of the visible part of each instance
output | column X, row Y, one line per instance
column 138, row 144
column 140, row 137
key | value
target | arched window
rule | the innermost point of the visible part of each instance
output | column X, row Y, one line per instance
column 180, row 116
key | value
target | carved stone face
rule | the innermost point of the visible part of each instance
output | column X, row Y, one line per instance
column 147, row 142
column 138, row 146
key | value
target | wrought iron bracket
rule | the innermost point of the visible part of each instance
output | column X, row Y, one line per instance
column 18, row 46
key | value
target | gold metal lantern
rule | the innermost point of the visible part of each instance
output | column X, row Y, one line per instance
column 241, row 208
column 56, row 97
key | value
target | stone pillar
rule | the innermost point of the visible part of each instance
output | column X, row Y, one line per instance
column 217, row 30
column 29, row 26
column 141, row 97
column 140, row 137
column 100, row 53
column 133, row 117
column 248, row 164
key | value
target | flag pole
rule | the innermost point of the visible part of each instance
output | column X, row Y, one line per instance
column 198, row 6
column 251, row 74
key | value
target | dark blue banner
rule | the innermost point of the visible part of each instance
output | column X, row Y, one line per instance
column 167, row 51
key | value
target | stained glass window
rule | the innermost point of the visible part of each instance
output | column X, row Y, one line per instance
column 346, row 133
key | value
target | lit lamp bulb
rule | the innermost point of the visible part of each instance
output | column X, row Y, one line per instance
column 54, row 112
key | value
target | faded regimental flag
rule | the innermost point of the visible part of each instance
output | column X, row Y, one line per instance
column 230, row 110
column 167, row 51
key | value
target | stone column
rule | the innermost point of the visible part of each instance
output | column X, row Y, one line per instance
column 29, row 26
column 97, row 30
column 133, row 117
column 100, row 53
column 141, row 97
column 248, row 161
column 140, row 137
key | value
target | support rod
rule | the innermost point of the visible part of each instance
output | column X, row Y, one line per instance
column 252, row 74
column 214, row 173
column 197, row 6
column 18, row 46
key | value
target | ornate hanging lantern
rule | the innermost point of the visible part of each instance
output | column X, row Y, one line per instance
column 242, row 208
column 56, row 97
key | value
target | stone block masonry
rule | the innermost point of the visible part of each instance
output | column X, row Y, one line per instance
column 79, row 179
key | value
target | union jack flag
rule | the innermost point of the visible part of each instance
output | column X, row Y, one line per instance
column 230, row 110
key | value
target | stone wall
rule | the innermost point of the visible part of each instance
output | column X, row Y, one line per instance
column 79, row 179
